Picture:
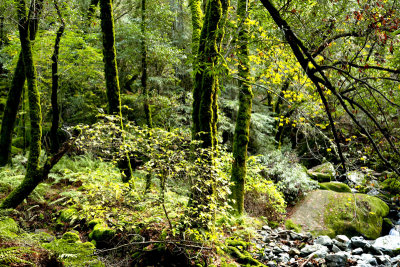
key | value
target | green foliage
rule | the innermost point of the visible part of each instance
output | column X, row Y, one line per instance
column 292, row 179
column 290, row 225
column 14, row 256
column 391, row 185
column 72, row 252
column 262, row 197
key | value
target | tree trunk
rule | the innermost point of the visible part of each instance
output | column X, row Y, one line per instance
column 110, row 68
column 242, row 128
column 205, row 107
column 55, row 144
column 197, row 24
column 146, row 105
column 33, row 174
column 14, row 97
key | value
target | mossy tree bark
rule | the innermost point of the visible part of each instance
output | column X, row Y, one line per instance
column 109, row 54
column 197, row 25
column 206, row 80
column 146, row 104
column 33, row 175
column 242, row 128
column 14, row 95
column 205, row 104
column 55, row 145
column 110, row 68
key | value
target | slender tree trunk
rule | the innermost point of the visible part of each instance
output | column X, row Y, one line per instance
column 146, row 105
column 55, row 145
column 14, row 96
column 242, row 128
column 33, row 174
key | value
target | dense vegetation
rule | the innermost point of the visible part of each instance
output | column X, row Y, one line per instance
column 154, row 132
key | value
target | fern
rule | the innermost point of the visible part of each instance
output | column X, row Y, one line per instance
column 14, row 255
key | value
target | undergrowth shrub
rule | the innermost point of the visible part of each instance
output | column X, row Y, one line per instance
column 262, row 197
column 291, row 178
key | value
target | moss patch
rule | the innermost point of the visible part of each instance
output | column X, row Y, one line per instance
column 8, row 228
column 290, row 225
column 335, row 186
column 101, row 232
column 322, row 173
column 392, row 185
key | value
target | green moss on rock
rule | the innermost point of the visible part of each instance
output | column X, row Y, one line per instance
column 322, row 173
column 71, row 237
column 335, row 186
column 102, row 232
column 392, row 185
column 93, row 223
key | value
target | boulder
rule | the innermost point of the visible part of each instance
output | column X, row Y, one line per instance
column 338, row 259
column 323, row 240
column 331, row 213
column 322, row 173
column 101, row 232
column 355, row 177
column 335, row 186
column 388, row 243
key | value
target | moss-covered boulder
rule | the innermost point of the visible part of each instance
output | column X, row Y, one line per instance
column 392, row 185
column 325, row 212
column 101, row 232
column 356, row 177
column 322, row 173
column 335, row 186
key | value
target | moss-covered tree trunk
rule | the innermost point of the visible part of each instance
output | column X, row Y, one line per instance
column 197, row 24
column 55, row 145
column 33, row 174
column 146, row 104
column 205, row 104
column 206, row 80
column 14, row 95
column 242, row 128
column 110, row 69
column 109, row 54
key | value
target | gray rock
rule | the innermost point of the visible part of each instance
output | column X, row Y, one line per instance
column 294, row 251
column 266, row 228
column 308, row 249
column 395, row 259
column 285, row 248
column 358, row 242
column 357, row 251
column 272, row 264
column 383, row 260
column 284, row 257
column 368, row 258
column 277, row 250
column 342, row 239
column 341, row 245
column 323, row 240
column 335, row 249
column 373, row 192
column 338, row 259
column 387, row 243
column 355, row 177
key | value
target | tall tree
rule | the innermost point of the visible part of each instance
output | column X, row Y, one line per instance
column 242, row 128
column 55, row 145
column 206, row 81
column 110, row 67
column 14, row 95
column 146, row 105
column 205, row 102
